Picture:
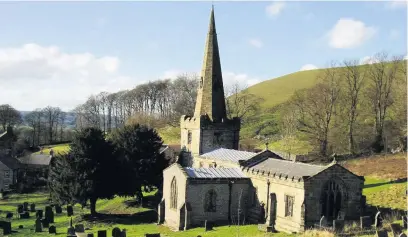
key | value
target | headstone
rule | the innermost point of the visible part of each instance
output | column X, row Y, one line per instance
column 32, row 207
column 323, row 221
column 90, row 235
column 70, row 210
column 79, row 228
column 20, row 209
column 58, row 209
column 208, row 225
column 52, row 230
column 365, row 222
column 116, row 232
column 123, row 233
column 38, row 225
column 25, row 206
column 101, row 233
column 338, row 225
column 24, row 215
column 6, row 226
column 45, row 223
column 396, row 229
column 405, row 222
column 49, row 214
column 152, row 235
column 20, row 226
column 378, row 220
column 71, row 231
column 9, row 215
column 39, row 214
column 381, row 233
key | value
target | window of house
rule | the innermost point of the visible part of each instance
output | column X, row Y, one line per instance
column 173, row 194
column 189, row 137
column 210, row 201
column 289, row 201
column 6, row 174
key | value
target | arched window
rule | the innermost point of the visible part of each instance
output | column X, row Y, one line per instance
column 210, row 201
column 173, row 194
column 331, row 199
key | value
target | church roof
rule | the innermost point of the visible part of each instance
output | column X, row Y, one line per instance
column 224, row 154
column 214, row 173
column 288, row 168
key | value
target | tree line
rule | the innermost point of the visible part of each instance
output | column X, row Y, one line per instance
column 353, row 108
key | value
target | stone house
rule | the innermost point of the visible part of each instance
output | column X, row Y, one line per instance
column 215, row 181
column 9, row 168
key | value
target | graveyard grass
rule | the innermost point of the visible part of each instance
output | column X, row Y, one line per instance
column 60, row 148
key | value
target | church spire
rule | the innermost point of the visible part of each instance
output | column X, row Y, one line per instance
column 210, row 95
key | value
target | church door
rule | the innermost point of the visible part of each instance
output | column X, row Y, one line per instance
column 272, row 210
column 331, row 200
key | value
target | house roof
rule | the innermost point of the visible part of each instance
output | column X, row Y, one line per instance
column 228, row 155
column 288, row 168
column 36, row 159
column 211, row 173
column 9, row 161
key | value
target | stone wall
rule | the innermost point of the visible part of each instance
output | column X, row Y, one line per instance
column 172, row 216
column 351, row 184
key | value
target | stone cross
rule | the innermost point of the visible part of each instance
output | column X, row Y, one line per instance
column 38, row 225
column 378, row 220
column 52, row 230
column 323, row 221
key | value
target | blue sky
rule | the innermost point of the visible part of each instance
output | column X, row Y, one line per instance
column 65, row 51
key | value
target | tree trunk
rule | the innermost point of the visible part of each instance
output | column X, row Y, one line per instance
column 93, row 206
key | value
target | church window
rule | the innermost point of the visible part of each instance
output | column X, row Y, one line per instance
column 173, row 194
column 210, row 201
column 189, row 137
column 289, row 201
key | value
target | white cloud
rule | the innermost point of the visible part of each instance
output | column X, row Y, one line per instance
column 231, row 78
column 308, row 67
column 34, row 76
column 396, row 4
column 275, row 8
column 349, row 33
column 256, row 43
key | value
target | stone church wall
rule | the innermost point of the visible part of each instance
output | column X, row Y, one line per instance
column 314, row 187
column 196, row 192
column 172, row 216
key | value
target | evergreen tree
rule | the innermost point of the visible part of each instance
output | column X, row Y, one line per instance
column 138, row 150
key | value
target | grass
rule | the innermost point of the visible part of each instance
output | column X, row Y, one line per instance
column 60, row 148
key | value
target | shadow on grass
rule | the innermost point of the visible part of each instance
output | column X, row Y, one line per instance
column 150, row 202
column 385, row 183
column 144, row 217
column 372, row 210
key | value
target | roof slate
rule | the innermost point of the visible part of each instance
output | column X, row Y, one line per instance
column 228, row 155
column 214, row 173
column 289, row 168
column 9, row 161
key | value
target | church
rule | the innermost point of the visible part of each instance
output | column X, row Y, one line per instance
column 216, row 182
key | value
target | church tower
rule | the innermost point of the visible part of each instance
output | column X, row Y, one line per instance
column 209, row 128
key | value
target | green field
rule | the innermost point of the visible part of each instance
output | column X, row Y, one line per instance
column 60, row 148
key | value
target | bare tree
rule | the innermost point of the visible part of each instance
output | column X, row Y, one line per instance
column 289, row 125
column 353, row 77
column 51, row 116
column 34, row 120
column 9, row 116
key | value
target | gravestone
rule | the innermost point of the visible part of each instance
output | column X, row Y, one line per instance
column 6, row 226
column 38, row 225
column 24, row 215
column 123, row 233
column 116, row 232
column 378, row 220
column 25, row 206
column 58, row 209
column 338, row 225
column 323, row 222
column 402, row 235
column 208, row 225
column 79, row 228
column 71, row 231
column 20, row 209
column 45, row 223
column 396, row 229
column 152, row 235
column 9, row 215
column 52, row 230
column 405, row 222
column 39, row 213
column 49, row 214
column 341, row 215
column 32, row 207
column 20, row 226
column 102, row 233
column 70, row 210
column 90, row 235
column 381, row 233
column 365, row 222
